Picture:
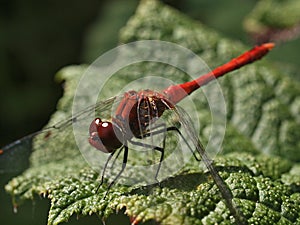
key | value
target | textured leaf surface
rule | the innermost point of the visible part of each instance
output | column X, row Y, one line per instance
column 276, row 13
column 274, row 19
column 261, row 156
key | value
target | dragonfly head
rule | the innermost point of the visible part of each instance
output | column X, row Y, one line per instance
column 103, row 136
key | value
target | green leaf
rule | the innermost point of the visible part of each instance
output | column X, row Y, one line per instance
column 274, row 19
column 260, row 163
column 276, row 13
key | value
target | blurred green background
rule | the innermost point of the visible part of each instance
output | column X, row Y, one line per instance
column 37, row 38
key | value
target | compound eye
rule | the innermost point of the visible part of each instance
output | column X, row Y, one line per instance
column 106, row 131
column 94, row 125
column 103, row 137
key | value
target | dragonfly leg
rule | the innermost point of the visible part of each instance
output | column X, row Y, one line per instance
column 173, row 128
column 104, row 169
column 115, row 159
column 156, row 148
column 125, row 156
column 162, row 149
column 186, row 142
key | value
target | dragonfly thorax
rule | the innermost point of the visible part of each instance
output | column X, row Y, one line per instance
column 138, row 109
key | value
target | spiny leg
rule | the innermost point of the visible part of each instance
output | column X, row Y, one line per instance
column 162, row 149
column 178, row 131
column 156, row 148
column 125, row 156
column 104, row 168
column 115, row 159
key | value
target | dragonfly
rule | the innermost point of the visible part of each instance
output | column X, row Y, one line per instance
column 135, row 119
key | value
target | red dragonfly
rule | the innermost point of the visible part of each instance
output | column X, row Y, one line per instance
column 137, row 110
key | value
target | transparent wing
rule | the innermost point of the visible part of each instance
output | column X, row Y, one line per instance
column 54, row 142
column 188, row 129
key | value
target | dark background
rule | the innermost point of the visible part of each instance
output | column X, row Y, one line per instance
column 38, row 38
